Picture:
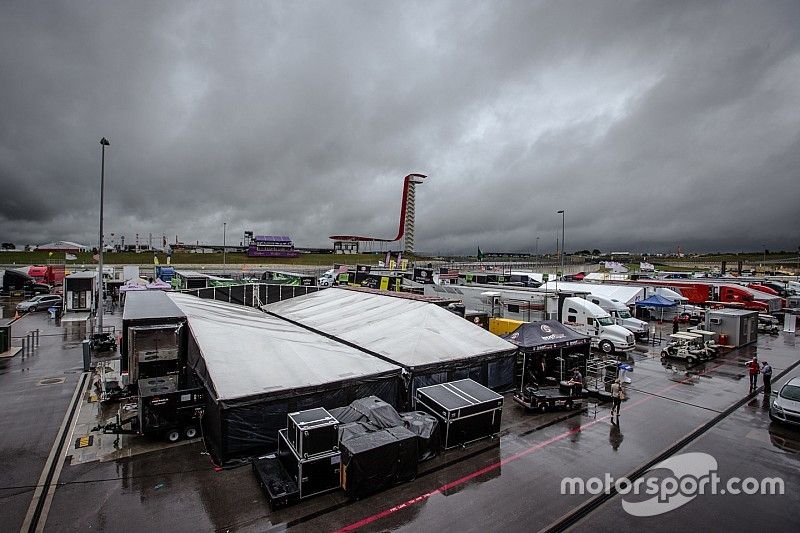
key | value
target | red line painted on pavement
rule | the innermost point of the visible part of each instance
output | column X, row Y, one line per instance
column 494, row 466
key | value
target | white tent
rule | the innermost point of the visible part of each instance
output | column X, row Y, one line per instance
column 248, row 352
column 422, row 337
column 257, row 368
column 625, row 294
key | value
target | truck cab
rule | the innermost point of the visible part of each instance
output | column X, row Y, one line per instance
column 621, row 315
column 590, row 319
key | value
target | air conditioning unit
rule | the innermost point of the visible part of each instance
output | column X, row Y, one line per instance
column 715, row 320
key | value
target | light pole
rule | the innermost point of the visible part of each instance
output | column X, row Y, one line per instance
column 537, row 246
column 103, row 143
column 224, row 249
column 561, row 212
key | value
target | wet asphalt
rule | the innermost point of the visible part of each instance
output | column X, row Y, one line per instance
column 509, row 484
column 31, row 411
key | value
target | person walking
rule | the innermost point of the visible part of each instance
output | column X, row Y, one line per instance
column 675, row 324
column 766, row 371
column 616, row 398
column 754, row 371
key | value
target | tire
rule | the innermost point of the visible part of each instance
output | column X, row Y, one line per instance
column 190, row 432
column 568, row 405
column 664, row 354
column 32, row 309
column 173, row 435
column 606, row 347
column 691, row 360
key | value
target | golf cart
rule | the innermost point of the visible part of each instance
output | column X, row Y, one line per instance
column 683, row 346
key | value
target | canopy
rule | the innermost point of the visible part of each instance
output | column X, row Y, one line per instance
column 625, row 294
column 132, row 285
column 656, row 301
column 158, row 285
column 246, row 352
column 410, row 333
column 545, row 335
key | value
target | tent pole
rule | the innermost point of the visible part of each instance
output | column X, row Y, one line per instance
column 522, row 378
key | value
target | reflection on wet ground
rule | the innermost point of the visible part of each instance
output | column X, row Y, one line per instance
column 510, row 485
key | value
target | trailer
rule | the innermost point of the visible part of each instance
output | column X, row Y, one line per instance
column 162, row 409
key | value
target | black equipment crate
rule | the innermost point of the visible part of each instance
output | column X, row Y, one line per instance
column 313, row 475
column 280, row 489
column 467, row 410
column 377, row 460
column 312, row 432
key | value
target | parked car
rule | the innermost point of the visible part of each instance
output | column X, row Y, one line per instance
column 39, row 303
column 785, row 406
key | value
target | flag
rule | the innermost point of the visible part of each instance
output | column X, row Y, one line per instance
column 155, row 259
column 70, row 257
column 50, row 254
column 480, row 254
column 96, row 257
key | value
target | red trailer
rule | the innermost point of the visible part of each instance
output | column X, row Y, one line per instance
column 50, row 274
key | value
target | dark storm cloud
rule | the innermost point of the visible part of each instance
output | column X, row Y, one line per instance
column 653, row 124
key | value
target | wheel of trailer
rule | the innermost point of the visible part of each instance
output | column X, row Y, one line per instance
column 606, row 347
column 173, row 435
column 190, row 432
column 691, row 360
column 568, row 405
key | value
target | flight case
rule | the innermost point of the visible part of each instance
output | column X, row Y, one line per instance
column 312, row 432
column 313, row 475
column 467, row 410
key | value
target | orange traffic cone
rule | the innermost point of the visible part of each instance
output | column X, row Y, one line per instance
column 16, row 315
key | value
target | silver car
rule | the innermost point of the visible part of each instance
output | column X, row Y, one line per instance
column 41, row 302
column 785, row 406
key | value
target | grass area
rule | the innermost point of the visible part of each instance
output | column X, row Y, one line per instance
column 132, row 258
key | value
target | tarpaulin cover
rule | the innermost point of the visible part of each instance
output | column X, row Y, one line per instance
column 346, row 415
column 379, row 413
column 377, row 460
column 352, row 430
column 427, row 430
column 547, row 334
column 246, row 352
column 410, row 333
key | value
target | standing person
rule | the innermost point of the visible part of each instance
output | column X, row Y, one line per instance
column 766, row 371
column 675, row 324
column 754, row 371
column 616, row 398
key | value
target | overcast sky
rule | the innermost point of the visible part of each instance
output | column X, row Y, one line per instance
column 654, row 124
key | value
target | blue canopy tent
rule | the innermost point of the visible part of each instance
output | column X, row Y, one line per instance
column 657, row 301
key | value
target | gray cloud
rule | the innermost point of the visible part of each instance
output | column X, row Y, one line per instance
column 654, row 124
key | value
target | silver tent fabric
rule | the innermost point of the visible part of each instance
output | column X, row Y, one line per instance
column 247, row 352
column 411, row 333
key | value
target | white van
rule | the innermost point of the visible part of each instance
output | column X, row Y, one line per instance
column 590, row 319
column 620, row 314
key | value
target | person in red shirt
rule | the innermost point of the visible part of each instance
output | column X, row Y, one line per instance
column 755, row 370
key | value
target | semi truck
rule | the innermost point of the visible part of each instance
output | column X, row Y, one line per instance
column 49, row 274
column 530, row 305
column 621, row 315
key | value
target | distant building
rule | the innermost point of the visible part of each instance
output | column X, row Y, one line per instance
column 271, row 246
column 62, row 246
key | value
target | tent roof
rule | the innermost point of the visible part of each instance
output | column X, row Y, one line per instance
column 625, row 294
column 247, row 352
column 656, row 301
column 546, row 335
column 145, row 305
column 410, row 333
